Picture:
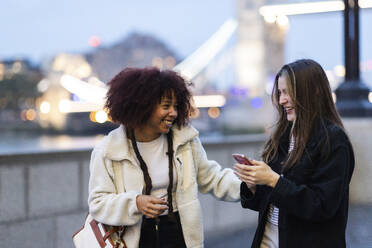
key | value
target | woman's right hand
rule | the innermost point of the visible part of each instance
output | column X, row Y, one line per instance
column 151, row 206
column 257, row 173
column 251, row 186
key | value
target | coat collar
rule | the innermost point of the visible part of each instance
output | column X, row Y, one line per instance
column 117, row 146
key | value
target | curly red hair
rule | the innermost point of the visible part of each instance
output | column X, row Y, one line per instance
column 134, row 93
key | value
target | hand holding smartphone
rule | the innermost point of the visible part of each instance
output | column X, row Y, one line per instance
column 241, row 159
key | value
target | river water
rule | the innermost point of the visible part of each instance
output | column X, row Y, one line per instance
column 18, row 143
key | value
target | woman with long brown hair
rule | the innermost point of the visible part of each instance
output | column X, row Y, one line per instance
column 301, row 188
column 163, row 162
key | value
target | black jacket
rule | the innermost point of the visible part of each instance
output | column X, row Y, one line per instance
column 312, row 196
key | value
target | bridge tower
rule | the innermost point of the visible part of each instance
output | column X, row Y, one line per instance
column 250, row 47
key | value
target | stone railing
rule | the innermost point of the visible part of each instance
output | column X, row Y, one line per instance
column 43, row 195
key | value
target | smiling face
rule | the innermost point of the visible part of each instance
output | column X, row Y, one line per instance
column 284, row 98
column 160, row 121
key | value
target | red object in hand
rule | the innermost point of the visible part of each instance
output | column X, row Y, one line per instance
column 241, row 159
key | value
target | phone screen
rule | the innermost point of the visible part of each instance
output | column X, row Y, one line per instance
column 241, row 159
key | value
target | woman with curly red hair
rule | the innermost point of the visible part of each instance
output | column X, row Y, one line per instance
column 164, row 164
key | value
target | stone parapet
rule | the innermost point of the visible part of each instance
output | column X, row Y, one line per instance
column 43, row 195
column 360, row 134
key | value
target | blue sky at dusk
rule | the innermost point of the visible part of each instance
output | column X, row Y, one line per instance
column 39, row 28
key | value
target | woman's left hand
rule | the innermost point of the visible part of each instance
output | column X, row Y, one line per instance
column 257, row 173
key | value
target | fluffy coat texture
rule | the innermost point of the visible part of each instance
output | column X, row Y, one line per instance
column 312, row 196
column 194, row 172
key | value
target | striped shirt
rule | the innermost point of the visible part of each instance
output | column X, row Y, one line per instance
column 273, row 215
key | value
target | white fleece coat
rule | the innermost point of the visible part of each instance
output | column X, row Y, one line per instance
column 194, row 171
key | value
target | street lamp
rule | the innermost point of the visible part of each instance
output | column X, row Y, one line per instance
column 352, row 95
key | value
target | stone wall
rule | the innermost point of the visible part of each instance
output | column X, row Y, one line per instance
column 360, row 134
column 43, row 196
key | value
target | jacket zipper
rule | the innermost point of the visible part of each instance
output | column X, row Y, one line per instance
column 157, row 220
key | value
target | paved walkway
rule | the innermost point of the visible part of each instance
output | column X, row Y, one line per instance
column 358, row 234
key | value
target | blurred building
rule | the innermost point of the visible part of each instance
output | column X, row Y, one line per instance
column 259, row 54
column 18, row 93
column 136, row 50
column 65, row 111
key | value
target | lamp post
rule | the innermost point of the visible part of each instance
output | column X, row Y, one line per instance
column 352, row 95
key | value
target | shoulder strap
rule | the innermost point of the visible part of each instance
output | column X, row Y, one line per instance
column 119, row 185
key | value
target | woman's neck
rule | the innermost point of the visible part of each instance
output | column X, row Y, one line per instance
column 143, row 135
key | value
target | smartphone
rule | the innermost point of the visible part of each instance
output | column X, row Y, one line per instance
column 241, row 159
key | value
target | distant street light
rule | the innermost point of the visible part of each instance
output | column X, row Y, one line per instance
column 94, row 41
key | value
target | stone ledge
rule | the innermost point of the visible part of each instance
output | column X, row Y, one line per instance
column 12, row 194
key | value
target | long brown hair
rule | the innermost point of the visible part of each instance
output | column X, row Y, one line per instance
column 311, row 95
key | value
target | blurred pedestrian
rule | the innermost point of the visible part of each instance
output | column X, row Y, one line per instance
column 164, row 163
column 301, row 188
